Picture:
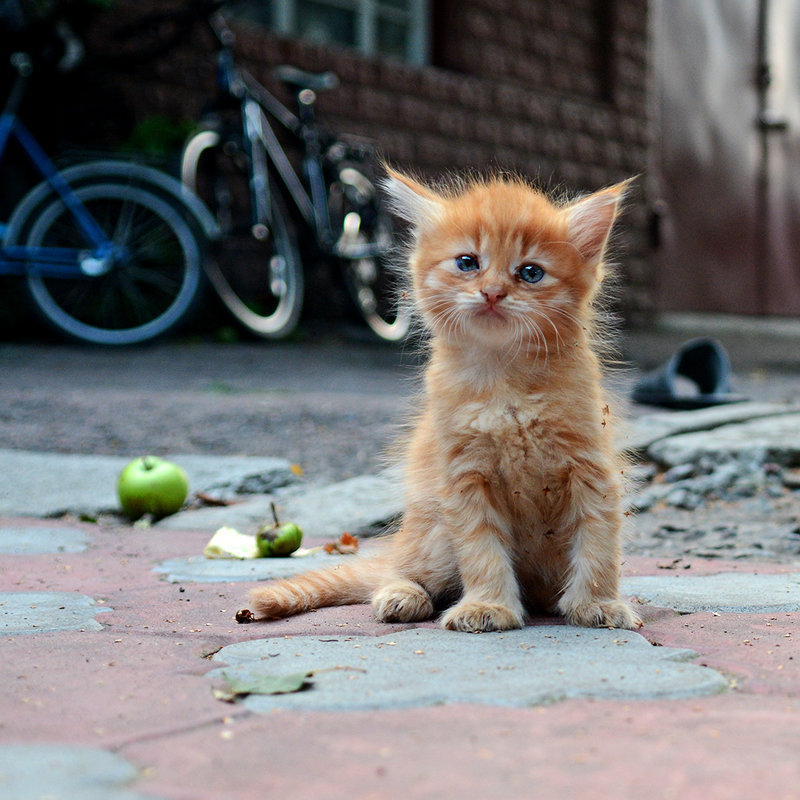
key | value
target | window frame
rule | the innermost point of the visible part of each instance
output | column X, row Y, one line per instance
column 368, row 14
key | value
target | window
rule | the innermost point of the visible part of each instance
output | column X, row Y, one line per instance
column 386, row 28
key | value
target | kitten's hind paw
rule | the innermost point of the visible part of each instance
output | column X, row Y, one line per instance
column 402, row 601
column 603, row 614
column 474, row 617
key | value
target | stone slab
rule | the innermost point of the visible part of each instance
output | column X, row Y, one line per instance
column 722, row 593
column 246, row 515
column 48, row 612
column 358, row 505
column 647, row 429
column 31, row 540
column 61, row 771
column 199, row 569
column 426, row 666
column 774, row 438
column 50, row 484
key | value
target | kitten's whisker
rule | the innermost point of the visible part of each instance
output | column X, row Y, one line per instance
column 559, row 340
column 449, row 321
column 519, row 334
column 539, row 338
column 569, row 316
column 534, row 334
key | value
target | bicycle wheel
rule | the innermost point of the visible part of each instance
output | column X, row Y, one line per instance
column 256, row 273
column 374, row 283
column 153, row 281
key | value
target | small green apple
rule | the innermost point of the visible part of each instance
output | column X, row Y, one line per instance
column 280, row 540
column 151, row 485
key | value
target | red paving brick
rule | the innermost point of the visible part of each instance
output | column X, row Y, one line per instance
column 139, row 688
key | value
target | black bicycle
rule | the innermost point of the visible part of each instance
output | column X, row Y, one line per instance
column 237, row 166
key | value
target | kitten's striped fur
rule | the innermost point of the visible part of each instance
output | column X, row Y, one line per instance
column 513, row 485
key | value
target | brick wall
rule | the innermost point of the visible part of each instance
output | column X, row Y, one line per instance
column 555, row 89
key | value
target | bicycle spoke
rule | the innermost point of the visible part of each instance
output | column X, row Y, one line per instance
column 153, row 275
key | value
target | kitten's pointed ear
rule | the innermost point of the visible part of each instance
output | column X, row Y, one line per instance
column 411, row 200
column 590, row 220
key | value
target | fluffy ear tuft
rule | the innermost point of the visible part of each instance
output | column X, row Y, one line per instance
column 590, row 220
column 411, row 200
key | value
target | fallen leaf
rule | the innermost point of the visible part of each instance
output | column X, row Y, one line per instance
column 347, row 544
column 237, row 687
column 210, row 500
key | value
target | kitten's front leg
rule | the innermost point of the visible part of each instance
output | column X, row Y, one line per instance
column 591, row 591
column 491, row 597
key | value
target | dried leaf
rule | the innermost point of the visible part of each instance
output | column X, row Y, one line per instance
column 347, row 544
column 210, row 500
column 261, row 684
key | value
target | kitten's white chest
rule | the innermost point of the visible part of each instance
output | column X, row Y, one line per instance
column 500, row 416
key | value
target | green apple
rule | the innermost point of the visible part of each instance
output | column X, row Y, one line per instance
column 151, row 485
column 279, row 540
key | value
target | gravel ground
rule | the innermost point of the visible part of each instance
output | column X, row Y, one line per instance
column 333, row 405
column 331, row 409
column 752, row 529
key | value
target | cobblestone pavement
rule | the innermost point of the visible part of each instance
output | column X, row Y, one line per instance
column 120, row 656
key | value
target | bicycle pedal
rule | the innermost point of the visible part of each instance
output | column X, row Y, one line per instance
column 260, row 232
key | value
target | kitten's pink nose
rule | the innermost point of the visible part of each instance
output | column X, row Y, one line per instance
column 493, row 294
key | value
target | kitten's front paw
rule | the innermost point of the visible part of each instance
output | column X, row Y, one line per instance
column 474, row 617
column 603, row 614
column 402, row 602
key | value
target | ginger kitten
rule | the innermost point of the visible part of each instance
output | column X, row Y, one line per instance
column 513, row 485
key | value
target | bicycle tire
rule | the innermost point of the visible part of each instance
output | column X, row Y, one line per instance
column 144, row 295
column 260, row 282
column 374, row 284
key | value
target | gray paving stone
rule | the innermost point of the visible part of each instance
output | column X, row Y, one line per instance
column 50, row 484
column 649, row 428
column 27, row 541
column 246, row 516
column 727, row 592
column 425, row 666
column 775, row 438
column 358, row 505
column 199, row 569
column 64, row 772
column 48, row 612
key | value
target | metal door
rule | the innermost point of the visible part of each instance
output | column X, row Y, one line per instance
column 726, row 94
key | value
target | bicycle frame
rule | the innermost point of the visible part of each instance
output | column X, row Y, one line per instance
column 262, row 144
column 50, row 262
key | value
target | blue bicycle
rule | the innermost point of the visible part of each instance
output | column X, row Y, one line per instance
column 110, row 252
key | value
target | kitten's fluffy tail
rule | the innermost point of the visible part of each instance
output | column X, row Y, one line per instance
column 344, row 584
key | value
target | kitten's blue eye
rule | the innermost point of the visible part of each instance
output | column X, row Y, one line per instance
column 467, row 263
column 531, row 273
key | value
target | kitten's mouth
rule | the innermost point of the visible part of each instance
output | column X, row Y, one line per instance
column 491, row 312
